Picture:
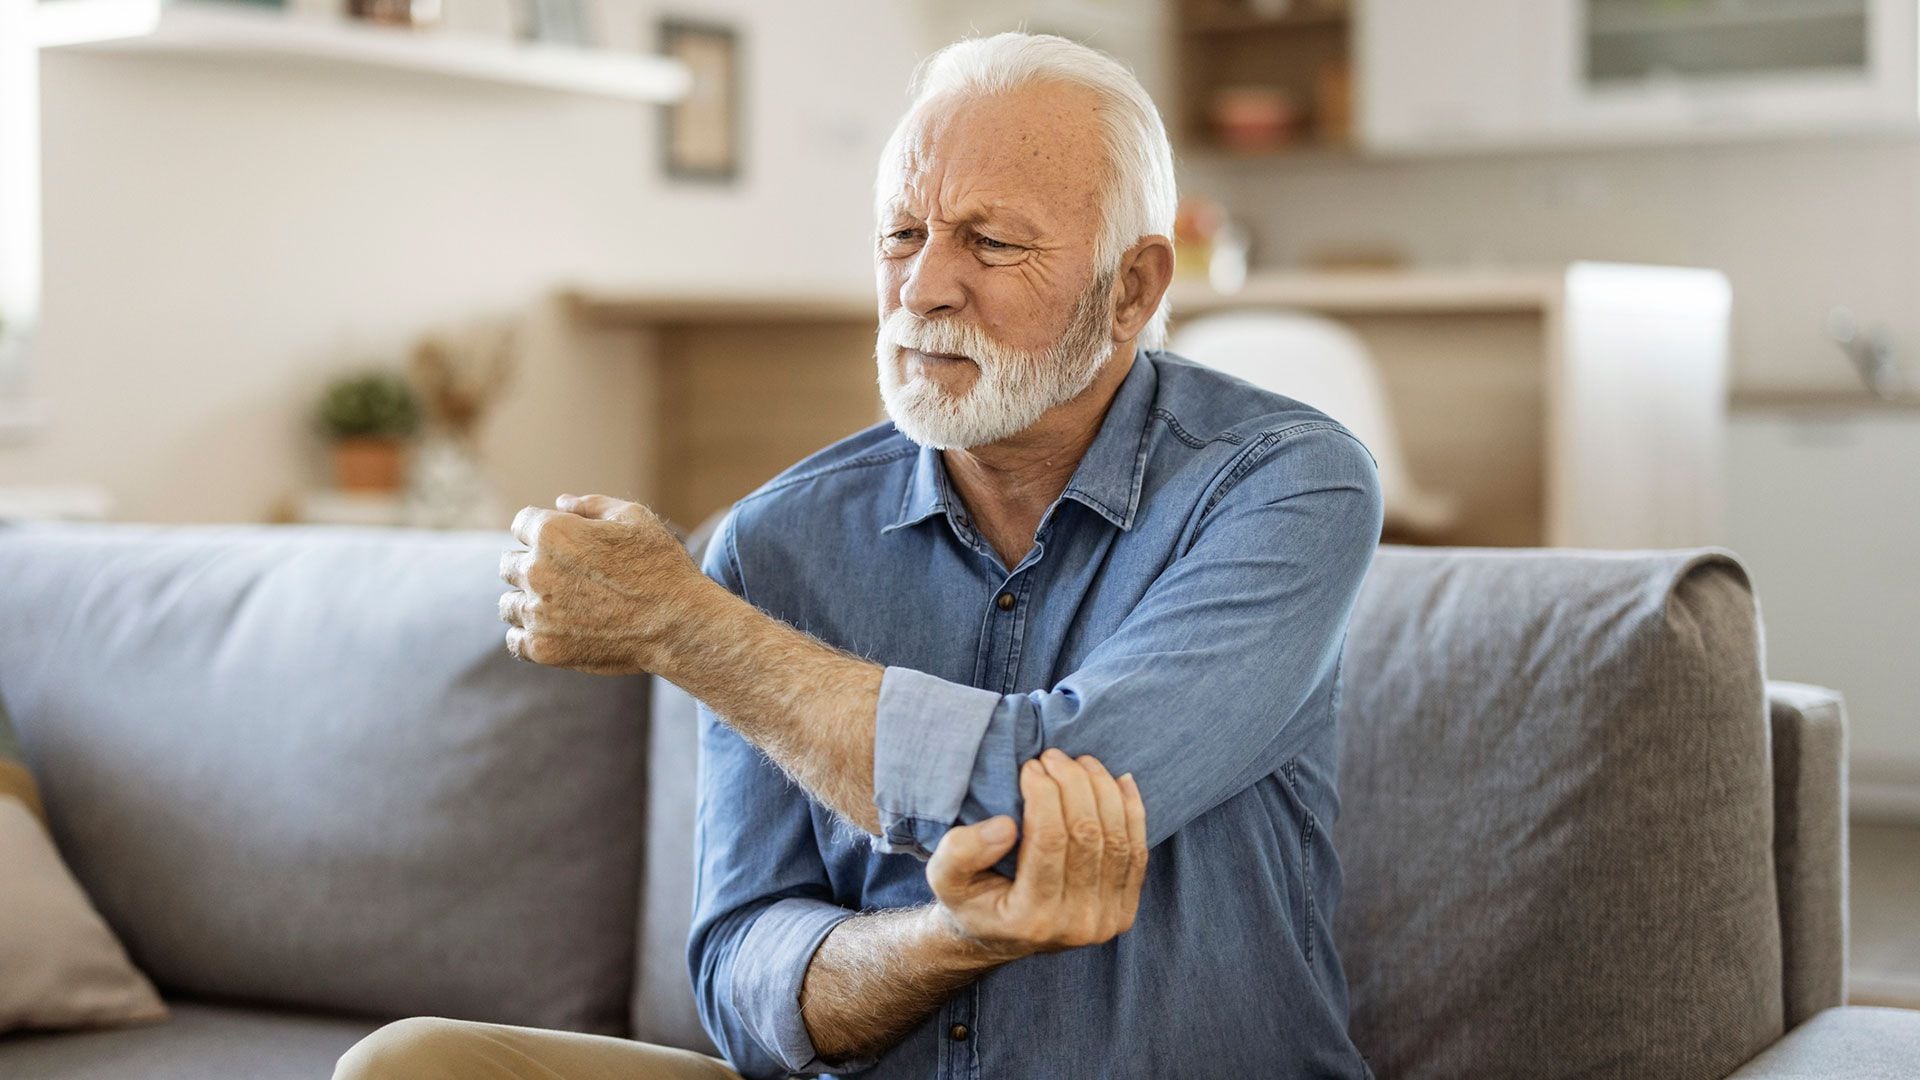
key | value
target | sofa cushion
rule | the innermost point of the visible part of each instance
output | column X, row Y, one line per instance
column 63, row 968
column 297, row 765
column 203, row 1041
column 1556, row 819
column 15, row 781
column 1857, row 1042
column 663, row 1007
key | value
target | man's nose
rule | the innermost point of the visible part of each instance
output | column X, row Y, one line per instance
column 933, row 285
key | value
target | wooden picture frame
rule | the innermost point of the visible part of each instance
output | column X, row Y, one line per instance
column 701, row 136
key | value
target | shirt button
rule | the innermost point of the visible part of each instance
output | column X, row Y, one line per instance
column 958, row 1031
column 1006, row 604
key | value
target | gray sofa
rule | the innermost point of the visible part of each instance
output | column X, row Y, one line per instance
column 297, row 772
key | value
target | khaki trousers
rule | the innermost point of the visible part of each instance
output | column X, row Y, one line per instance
column 436, row 1048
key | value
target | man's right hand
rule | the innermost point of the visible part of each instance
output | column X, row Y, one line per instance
column 1077, row 879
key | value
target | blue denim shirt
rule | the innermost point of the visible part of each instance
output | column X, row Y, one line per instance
column 1180, row 616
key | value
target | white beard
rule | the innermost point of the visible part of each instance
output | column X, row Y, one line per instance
column 1014, row 387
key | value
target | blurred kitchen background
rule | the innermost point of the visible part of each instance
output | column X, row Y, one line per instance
column 1601, row 273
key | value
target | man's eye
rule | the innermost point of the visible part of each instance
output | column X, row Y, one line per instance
column 902, row 234
column 995, row 245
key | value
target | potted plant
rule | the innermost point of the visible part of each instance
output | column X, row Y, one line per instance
column 368, row 416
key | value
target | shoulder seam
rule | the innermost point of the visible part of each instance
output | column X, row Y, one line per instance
column 1256, row 450
column 1185, row 436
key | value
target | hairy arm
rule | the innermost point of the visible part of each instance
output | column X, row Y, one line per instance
column 808, row 705
column 879, row 974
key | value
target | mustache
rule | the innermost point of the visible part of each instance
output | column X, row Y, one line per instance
column 904, row 330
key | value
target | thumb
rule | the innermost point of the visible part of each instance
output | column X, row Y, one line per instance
column 967, row 850
column 603, row 507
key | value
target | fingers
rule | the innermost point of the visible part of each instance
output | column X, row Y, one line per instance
column 1136, row 811
column 528, row 523
column 1079, row 869
column 966, row 852
column 604, row 507
column 1114, row 853
column 1085, row 839
column 1039, row 873
column 511, row 603
column 518, row 645
column 513, row 567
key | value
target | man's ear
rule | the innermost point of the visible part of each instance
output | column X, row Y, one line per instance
column 1146, row 269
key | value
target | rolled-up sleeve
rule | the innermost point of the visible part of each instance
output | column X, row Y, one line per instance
column 927, row 734
column 772, row 963
column 1195, row 692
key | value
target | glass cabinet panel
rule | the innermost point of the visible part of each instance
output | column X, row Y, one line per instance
column 1629, row 41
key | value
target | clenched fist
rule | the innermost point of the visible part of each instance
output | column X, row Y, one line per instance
column 599, row 585
column 1078, row 876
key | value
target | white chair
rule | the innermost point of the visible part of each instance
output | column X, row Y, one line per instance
column 1322, row 363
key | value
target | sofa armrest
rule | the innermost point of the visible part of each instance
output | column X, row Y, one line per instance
column 1854, row 1041
column 1810, row 844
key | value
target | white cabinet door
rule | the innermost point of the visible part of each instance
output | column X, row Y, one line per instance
column 1701, row 69
column 1824, row 510
column 1445, row 74
column 1450, row 75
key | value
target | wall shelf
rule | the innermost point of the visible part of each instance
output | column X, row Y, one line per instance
column 242, row 33
column 1300, row 54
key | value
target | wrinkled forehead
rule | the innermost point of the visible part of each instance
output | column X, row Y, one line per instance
column 1033, row 151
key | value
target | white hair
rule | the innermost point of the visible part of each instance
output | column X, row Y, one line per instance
column 1137, row 195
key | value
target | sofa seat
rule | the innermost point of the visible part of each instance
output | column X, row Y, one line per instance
column 203, row 1040
column 1873, row 1043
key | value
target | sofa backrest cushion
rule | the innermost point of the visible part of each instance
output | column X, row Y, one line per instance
column 663, row 1006
column 1556, row 816
column 297, row 765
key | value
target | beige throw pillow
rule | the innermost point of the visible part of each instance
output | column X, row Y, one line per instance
column 62, row 965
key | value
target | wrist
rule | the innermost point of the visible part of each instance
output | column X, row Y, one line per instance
column 674, row 647
column 945, row 930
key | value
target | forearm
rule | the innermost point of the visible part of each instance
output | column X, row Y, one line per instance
column 877, row 975
column 809, row 706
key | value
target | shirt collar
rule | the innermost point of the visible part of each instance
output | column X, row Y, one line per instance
column 1107, row 480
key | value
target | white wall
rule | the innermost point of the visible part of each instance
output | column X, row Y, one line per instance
column 221, row 238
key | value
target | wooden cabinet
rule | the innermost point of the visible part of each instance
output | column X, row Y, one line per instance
column 1263, row 76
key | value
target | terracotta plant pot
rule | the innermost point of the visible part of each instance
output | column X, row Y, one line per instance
column 369, row 464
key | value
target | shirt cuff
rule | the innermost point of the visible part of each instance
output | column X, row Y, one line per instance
column 927, row 734
column 769, row 967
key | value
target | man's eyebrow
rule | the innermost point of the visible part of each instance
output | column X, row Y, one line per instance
column 1002, row 214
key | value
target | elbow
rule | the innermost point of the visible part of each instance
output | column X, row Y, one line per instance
column 730, row 1035
column 708, row 965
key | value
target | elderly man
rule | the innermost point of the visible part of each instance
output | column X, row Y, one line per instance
column 1081, row 599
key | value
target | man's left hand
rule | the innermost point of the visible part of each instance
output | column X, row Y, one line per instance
column 600, row 584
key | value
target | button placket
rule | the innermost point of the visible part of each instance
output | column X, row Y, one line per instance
column 959, row 1050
